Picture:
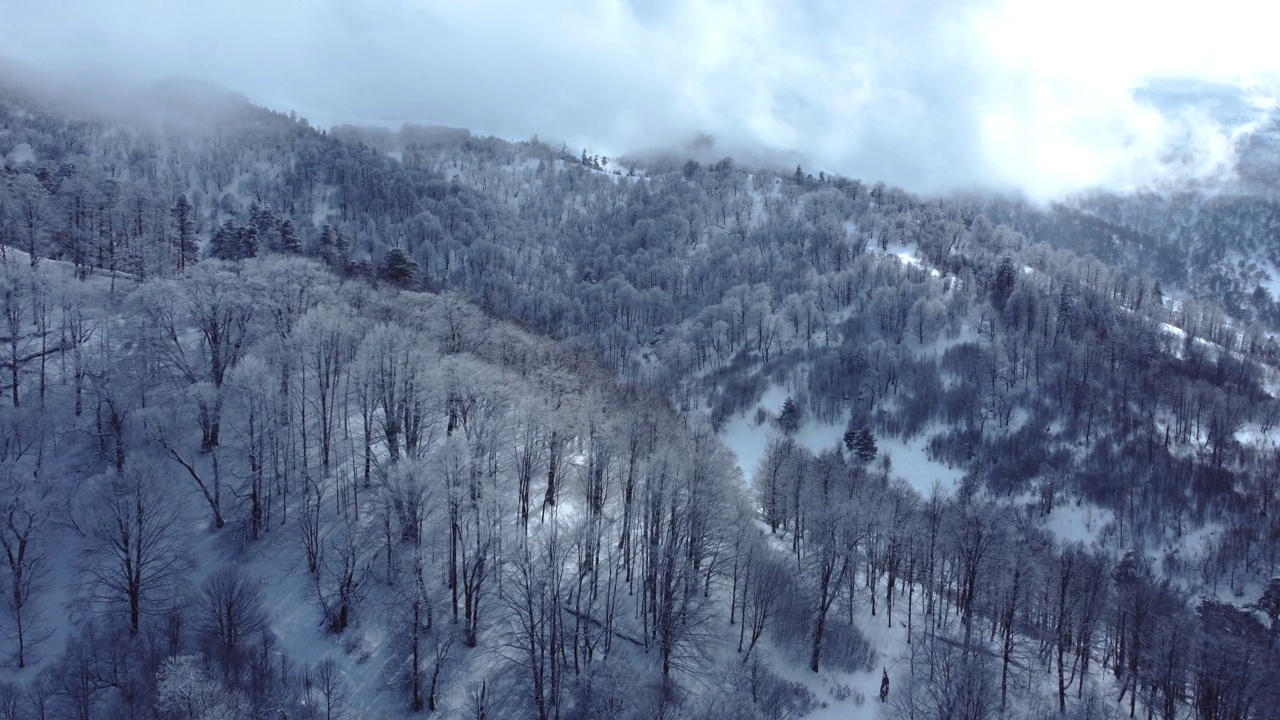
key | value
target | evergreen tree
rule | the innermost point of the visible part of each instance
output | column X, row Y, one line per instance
column 267, row 226
column 398, row 268
column 1002, row 285
column 861, row 442
column 250, row 242
column 289, row 241
column 333, row 249
column 188, row 251
column 226, row 242
column 866, row 449
column 789, row 419
column 1269, row 604
column 326, row 246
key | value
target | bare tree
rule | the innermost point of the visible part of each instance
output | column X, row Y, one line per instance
column 423, row 641
column 833, row 543
column 684, row 529
column 949, row 682
column 230, row 615
column 201, row 326
column 140, row 559
column 79, row 325
column 15, row 309
column 24, row 513
column 329, row 689
column 209, row 483
column 185, row 690
column 254, row 398
column 771, row 480
column 308, row 521
column 395, row 362
column 327, row 340
column 534, row 591
column 527, row 441
column 975, row 544
column 339, row 584
column 765, row 580
column 10, row 701
column 33, row 211
column 1022, row 551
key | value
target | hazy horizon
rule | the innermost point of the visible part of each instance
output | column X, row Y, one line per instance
column 929, row 95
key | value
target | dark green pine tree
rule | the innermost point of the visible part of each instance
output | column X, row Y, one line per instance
column 187, row 251
column 398, row 268
column 289, row 241
column 333, row 249
column 865, row 449
column 226, row 242
column 861, row 442
column 250, row 242
column 326, row 246
column 267, row 226
column 1002, row 284
column 789, row 419
column 1269, row 604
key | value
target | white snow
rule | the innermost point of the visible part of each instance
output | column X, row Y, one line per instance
column 908, row 458
column 746, row 439
column 1251, row 434
column 908, row 255
column 1173, row 330
column 910, row 461
column 1083, row 522
column 904, row 253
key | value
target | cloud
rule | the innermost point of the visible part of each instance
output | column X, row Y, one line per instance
column 933, row 95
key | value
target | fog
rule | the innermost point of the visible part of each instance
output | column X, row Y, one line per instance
column 931, row 95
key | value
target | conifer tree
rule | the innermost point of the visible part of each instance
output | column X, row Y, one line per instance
column 333, row 249
column 398, row 268
column 226, row 242
column 789, row 419
column 1002, row 285
column 289, row 241
column 861, row 442
column 188, row 251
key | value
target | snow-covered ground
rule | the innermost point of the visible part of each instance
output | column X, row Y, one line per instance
column 1083, row 523
column 908, row 255
column 746, row 439
column 1252, row 434
column 908, row 459
column 855, row 696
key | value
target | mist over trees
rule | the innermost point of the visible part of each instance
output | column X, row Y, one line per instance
column 334, row 424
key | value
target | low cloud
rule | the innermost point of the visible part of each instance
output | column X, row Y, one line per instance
column 931, row 95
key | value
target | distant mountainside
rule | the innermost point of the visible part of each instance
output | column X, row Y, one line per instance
column 190, row 96
column 499, row 429
column 1259, row 160
column 1231, row 105
column 1247, row 115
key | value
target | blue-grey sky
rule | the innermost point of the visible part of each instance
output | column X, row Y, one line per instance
column 934, row 95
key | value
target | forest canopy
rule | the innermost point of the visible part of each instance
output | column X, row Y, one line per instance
column 348, row 423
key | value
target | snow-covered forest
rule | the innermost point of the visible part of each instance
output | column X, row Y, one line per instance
column 355, row 423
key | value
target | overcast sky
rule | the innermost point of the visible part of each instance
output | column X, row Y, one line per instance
column 933, row 95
